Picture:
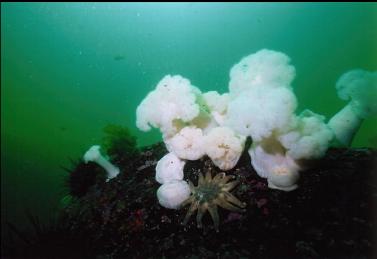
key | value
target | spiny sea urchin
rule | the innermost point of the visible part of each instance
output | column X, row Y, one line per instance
column 210, row 193
column 82, row 176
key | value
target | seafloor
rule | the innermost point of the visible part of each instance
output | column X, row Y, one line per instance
column 333, row 214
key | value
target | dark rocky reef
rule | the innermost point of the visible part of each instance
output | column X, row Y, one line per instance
column 333, row 213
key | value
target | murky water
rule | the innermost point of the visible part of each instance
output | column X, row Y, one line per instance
column 69, row 69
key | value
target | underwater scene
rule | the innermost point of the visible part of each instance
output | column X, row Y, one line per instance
column 189, row 130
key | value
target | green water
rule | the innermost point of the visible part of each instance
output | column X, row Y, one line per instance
column 69, row 69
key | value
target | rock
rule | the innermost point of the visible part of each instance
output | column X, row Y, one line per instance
column 322, row 218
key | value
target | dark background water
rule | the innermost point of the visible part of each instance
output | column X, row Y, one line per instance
column 68, row 69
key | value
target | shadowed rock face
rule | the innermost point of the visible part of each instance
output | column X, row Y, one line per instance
column 331, row 215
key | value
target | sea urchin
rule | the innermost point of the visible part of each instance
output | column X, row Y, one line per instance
column 210, row 193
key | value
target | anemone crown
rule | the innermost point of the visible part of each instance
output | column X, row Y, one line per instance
column 211, row 193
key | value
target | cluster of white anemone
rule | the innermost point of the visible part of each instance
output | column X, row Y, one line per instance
column 260, row 104
column 191, row 122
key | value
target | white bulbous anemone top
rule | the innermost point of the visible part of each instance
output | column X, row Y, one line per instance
column 359, row 87
column 187, row 143
column 169, row 168
column 174, row 190
column 224, row 147
column 265, row 67
column 172, row 104
column 260, row 104
column 171, row 195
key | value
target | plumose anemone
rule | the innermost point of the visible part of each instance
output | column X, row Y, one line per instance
column 359, row 88
column 261, row 105
column 210, row 193
column 94, row 155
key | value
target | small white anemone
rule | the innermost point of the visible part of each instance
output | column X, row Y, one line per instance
column 172, row 194
column 94, row 155
column 283, row 178
column 187, row 143
column 224, row 147
column 169, row 168
column 280, row 170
